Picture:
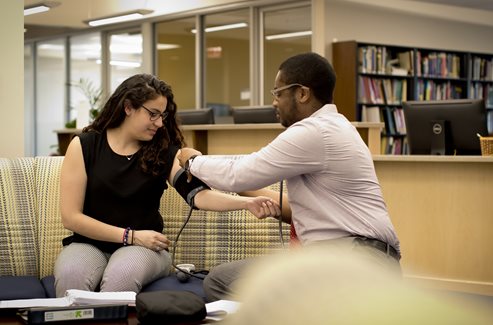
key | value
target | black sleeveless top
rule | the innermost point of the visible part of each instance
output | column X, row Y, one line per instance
column 118, row 192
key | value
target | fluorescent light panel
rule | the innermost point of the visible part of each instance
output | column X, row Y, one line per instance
column 118, row 63
column 222, row 27
column 126, row 16
column 164, row 46
column 35, row 10
column 288, row 35
column 40, row 7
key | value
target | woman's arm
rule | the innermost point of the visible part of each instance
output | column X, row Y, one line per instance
column 286, row 209
column 260, row 206
column 73, row 182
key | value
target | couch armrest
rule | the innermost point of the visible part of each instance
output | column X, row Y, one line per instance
column 18, row 241
column 50, row 230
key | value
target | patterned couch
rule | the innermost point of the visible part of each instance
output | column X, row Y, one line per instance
column 31, row 231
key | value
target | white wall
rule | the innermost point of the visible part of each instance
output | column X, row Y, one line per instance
column 409, row 23
column 11, row 79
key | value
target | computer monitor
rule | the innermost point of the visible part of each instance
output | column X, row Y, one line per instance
column 255, row 114
column 445, row 127
column 196, row 116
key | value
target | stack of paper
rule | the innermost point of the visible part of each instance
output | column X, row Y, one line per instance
column 81, row 297
column 217, row 310
column 75, row 297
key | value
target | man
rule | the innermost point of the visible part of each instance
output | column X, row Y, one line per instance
column 334, row 194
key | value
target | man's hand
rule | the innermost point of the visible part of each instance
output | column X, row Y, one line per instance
column 263, row 207
column 185, row 154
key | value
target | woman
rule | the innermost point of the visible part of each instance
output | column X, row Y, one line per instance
column 113, row 176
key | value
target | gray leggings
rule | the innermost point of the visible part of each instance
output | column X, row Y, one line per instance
column 85, row 267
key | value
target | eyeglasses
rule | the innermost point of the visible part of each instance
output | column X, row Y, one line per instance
column 153, row 116
column 277, row 91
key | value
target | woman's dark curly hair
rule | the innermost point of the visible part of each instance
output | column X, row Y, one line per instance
column 136, row 90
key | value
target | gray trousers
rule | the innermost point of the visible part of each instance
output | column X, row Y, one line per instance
column 220, row 282
column 85, row 267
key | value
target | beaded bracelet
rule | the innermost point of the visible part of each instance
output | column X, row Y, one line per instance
column 125, row 236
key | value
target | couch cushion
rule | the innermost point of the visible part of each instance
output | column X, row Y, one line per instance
column 167, row 283
column 20, row 287
column 18, row 242
column 48, row 283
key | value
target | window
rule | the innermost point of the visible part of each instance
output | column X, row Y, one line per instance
column 227, row 57
column 175, row 50
column 85, row 76
column 28, row 100
column 286, row 32
column 125, row 57
column 50, row 91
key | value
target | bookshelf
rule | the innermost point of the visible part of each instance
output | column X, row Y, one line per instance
column 374, row 79
column 480, row 82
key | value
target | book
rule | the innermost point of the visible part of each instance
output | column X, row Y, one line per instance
column 406, row 62
column 74, row 297
column 370, row 114
column 389, row 121
column 41, row 315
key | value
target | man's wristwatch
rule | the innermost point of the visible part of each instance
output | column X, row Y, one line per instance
column 188, row 164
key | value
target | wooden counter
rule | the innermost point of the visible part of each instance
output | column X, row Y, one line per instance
column 217, row 139
column 237, row 138
column 442, row 209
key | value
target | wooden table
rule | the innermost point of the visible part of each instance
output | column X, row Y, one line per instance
column 131, row 320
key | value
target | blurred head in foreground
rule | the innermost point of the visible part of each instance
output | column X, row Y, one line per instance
column 323, row 286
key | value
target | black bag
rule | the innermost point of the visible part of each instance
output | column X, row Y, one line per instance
column 169, row 307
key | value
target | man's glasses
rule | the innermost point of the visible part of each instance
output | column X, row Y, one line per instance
column 277, row 91
column 153, row 115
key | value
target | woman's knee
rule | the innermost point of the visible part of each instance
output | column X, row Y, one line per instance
column 79, row 266
column 131, row 268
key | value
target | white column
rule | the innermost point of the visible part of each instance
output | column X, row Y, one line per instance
column 12, row 79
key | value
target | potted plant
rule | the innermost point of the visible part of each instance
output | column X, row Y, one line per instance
column 93, row 95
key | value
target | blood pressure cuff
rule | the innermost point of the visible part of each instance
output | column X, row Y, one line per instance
column 186, row 189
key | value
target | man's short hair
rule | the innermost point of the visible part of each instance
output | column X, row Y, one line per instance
column 311, row 70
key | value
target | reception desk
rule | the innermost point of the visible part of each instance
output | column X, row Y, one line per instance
column 442, row 209
column 225, row 139
column 221, row 139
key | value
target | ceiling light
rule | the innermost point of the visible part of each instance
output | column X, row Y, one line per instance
column 126, row 64
column 288, row 35
column 222, row 27
column 163, row 46
column 40, row 7
column 125, row 16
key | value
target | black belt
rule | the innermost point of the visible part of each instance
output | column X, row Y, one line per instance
column 380, row 245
